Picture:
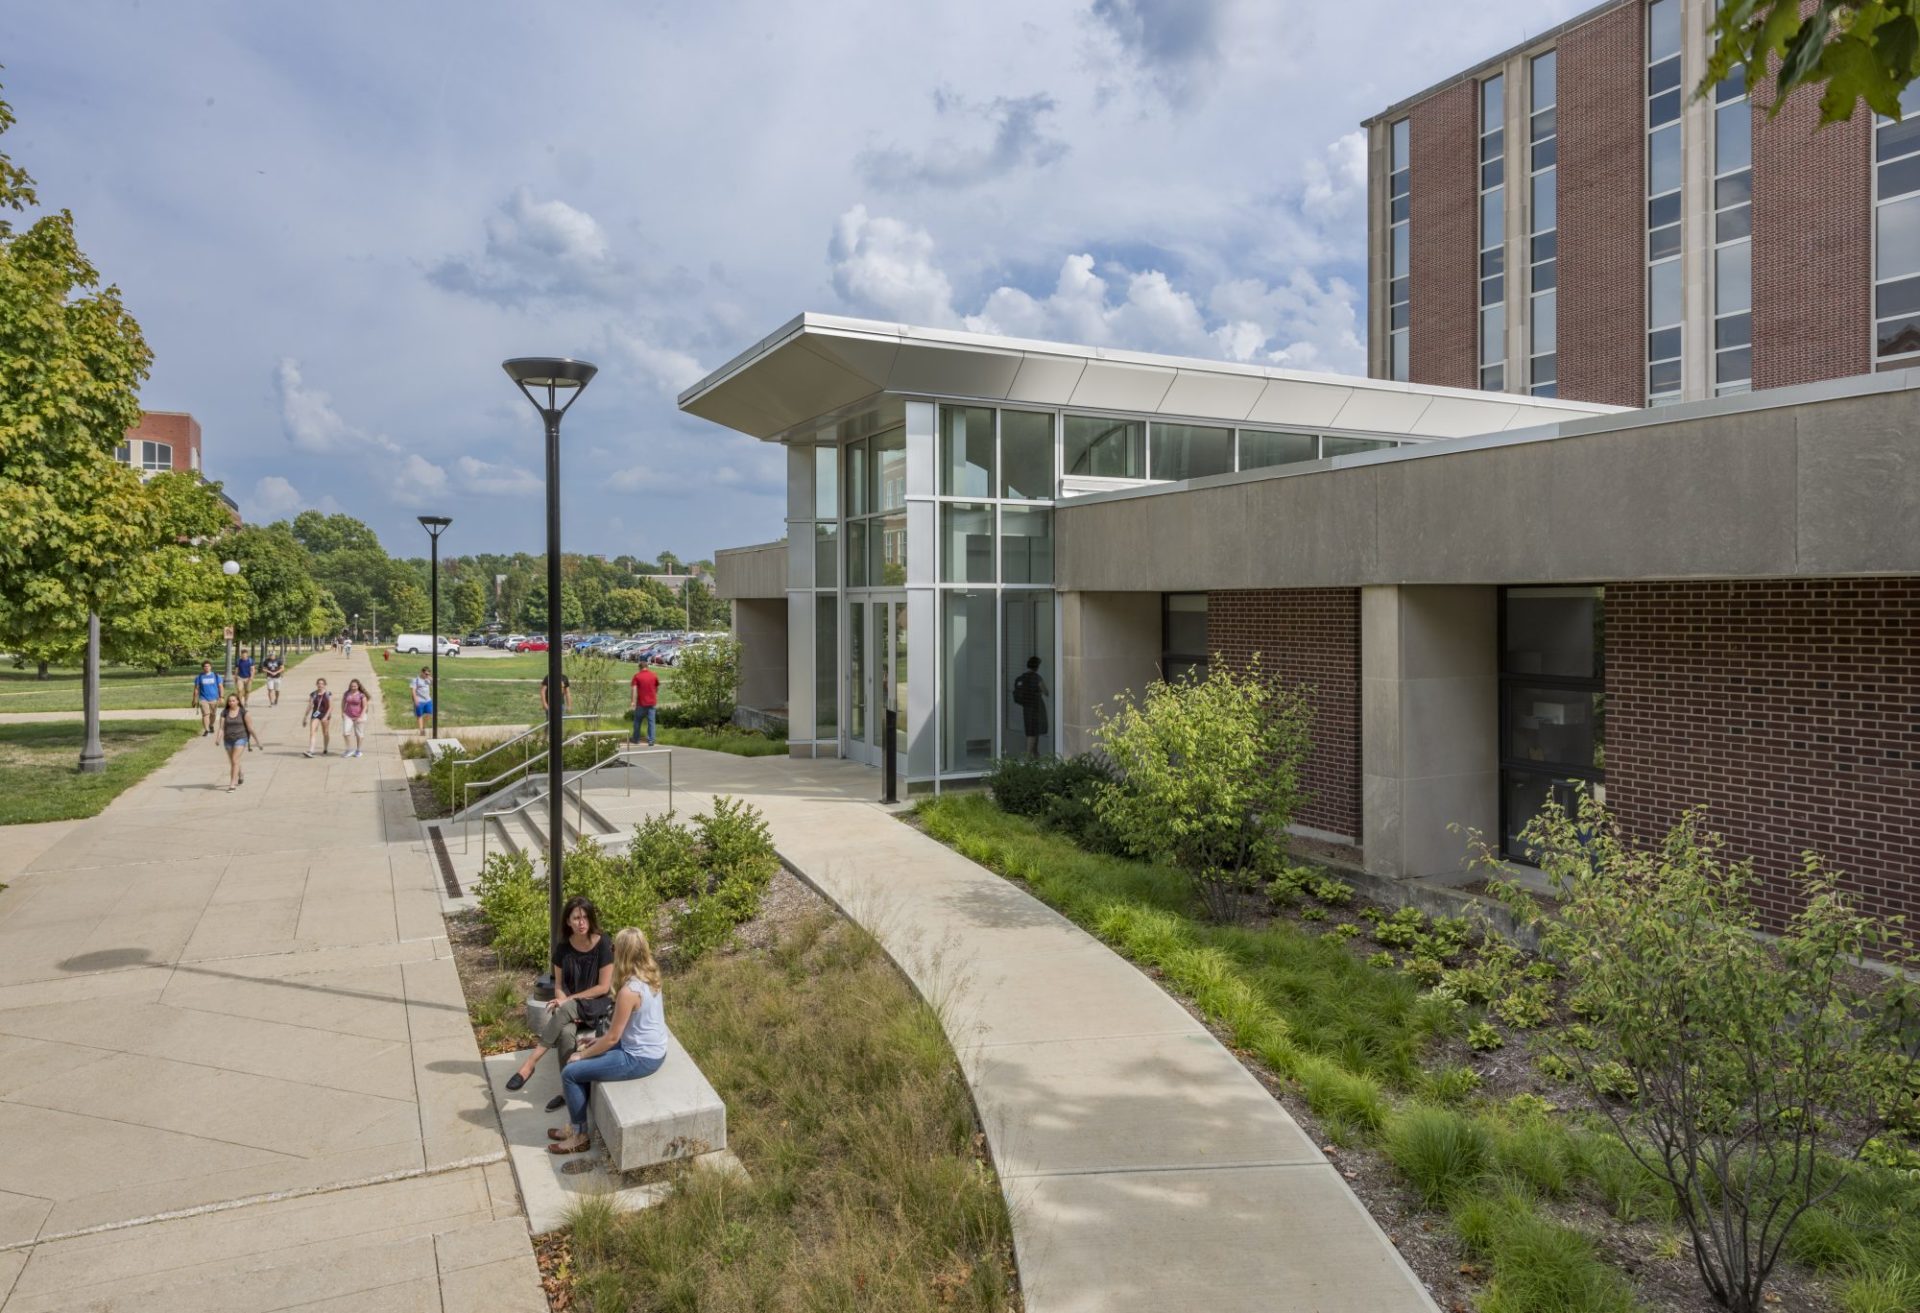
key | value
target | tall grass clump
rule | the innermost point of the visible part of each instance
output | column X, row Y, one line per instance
column 1441, row 1152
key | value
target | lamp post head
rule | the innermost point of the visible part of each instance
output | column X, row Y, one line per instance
column 231, row 567
column 434, row 524
column 552, row 374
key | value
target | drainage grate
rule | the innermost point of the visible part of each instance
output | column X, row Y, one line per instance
column 446, row 862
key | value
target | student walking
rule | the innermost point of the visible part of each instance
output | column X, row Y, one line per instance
column 346, row 644
column 422, row 686
column 236, row 733
column 634, row 1046
column 206, row 695
column 319, row 718
column 646, row 701
column 566, row 695
column 243, row 672
column 273, row 668
column 353, row 712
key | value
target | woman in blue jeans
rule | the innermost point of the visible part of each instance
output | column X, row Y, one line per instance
column 634, row 1046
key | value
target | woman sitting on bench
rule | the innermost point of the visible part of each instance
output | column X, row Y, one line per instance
column 633, row 1047
column 582, row 989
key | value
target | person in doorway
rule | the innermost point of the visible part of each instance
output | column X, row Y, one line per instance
column 273, row 667
column 319, row 718
column 646, row 701
column 353, row 715
column 1030, row 695
column 634, row 1046
column 582, row 989
column 236, row 732
column 422, row 686
column 206, row 696
column 566, row 695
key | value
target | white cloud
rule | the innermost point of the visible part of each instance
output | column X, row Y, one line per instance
column 274, row 498
column 886, row 267
column 1335, row 191
column 1175, row 43
column 538, row 248
column 1018, row 140
column 488, row 479
column 416, row 480
column 634, row 478
column 670, row 371
column 311, row 423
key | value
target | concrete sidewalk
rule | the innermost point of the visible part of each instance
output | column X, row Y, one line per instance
column 1144, row 1167
column 236, row 1069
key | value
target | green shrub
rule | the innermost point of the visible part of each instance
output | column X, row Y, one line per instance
column 737, row 841
column 1329, row 890
column 513, row 904
column 1613, row 1080
column 619, row 889
column 1440, row 1151
column 667, row 855
column 1555, row 1067
column 1526, row 1006
column 705, row 678
column 1450, row 1085
column 1484, row 1038
column 1332, row 1092
column 1401, row 930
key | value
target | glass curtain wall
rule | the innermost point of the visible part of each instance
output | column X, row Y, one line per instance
column 1732, row 237
column 1399, row 248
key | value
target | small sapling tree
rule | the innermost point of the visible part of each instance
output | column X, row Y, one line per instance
column 1209, row 778
column 1754, row 1064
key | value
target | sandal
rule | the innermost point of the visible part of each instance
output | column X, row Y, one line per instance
column 560, row 1132
column 581, row 1145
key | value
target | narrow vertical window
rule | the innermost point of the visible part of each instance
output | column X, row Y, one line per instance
column 1493, row 234
column 1732, row 237
column 1896, row 232
column 1664, row 298
column 1543, row 226
column 1399, row 296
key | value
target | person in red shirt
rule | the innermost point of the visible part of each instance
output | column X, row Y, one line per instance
column 646, row 699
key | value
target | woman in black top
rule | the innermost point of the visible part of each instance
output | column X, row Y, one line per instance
column 582, row 986
column 235, row 731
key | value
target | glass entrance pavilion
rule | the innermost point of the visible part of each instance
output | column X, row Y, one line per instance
column 923, row 471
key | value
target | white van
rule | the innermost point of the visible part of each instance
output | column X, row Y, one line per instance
column 423, row 643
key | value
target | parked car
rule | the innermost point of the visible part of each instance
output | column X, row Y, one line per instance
column 532, row 645
column 423, row 643
column 497, row 641
column 474, row 640
column 514, row 641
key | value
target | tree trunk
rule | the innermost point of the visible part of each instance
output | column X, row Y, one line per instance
column 43, row 671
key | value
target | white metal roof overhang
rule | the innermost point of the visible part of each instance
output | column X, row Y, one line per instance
column 816, row 365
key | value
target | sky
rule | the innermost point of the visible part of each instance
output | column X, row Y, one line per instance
column 334, row 220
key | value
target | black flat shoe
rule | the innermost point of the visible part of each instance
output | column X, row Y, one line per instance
column 515, row 1081
column 557, row 1101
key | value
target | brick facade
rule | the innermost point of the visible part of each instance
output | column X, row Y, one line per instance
column 1812, row 243
column 1308, row 636
column 178, row 430
column 1443, row 346
column 1791, row 709
column 1602, row 323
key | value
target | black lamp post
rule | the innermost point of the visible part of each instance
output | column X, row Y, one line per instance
column 435, row 525
column 536, row 376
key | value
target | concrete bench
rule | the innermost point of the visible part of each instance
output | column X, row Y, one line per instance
column 674, row 1113
column 438, row 748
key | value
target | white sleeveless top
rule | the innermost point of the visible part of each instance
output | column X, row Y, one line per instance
column 646, row 1032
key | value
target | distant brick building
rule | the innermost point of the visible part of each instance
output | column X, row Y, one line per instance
column 162, row 440
column 1567, row 219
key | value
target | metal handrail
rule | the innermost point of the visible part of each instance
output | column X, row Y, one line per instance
column 579, row 799
column 471, row 762
column 466, row 790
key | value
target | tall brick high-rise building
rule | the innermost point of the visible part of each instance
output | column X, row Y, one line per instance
column 1568, row 219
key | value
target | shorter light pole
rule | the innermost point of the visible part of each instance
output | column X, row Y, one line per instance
column 435, row 525
column 230, row 569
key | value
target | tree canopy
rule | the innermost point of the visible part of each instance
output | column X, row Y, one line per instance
column 1853, row 50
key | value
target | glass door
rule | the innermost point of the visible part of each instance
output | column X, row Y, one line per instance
column 877, row 676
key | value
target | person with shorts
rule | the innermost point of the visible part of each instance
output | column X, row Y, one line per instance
column 243, row 672
column 346, row 644
column 422, row 686
column 566, row 695
column 273, row 667
column 236, row 733
column 206, row 696
column 319, row 718
column 646, row 701
column 353, row 715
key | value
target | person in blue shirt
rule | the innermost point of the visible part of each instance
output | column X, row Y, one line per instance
column 206, row 693
column 243, row 672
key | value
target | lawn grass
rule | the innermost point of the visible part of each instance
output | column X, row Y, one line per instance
column 846, row 1106
column 739, row 743
column 493, row 690
column 38, row 778
column 122, row 688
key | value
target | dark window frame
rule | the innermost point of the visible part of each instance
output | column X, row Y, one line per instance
column 1553, row 772
column 1195, row 661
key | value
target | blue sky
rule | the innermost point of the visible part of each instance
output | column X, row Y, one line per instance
column 334, row 220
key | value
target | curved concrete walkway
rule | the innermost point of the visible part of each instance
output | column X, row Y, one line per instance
column 1144, row 1167
column 236, row 1068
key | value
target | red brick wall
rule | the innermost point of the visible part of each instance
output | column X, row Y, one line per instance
column 1791, row 709
column 1602, row 324
column 1812, row 243
column 1444, row 222
column 180, row 430
column 1307, row 636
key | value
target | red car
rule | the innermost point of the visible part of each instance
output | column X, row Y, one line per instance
column 534, row 645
